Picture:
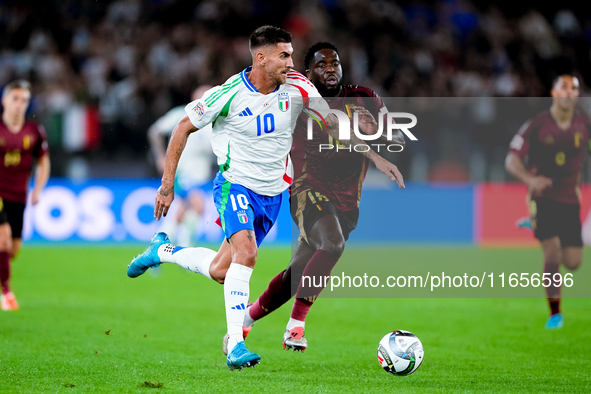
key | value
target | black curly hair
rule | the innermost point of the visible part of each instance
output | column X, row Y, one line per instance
column 315, row 48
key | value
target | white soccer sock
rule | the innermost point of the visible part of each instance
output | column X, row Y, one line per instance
column 236, row 289
column 293, row 323
column 197, row 260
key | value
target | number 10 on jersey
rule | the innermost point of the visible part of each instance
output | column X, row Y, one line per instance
column 267, row 124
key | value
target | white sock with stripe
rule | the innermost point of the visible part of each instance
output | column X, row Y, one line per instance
column 197, row 260
column 236, row 289
column 293, row 323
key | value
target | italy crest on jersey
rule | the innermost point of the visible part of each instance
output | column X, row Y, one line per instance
column 242, row 218
column 283, row 101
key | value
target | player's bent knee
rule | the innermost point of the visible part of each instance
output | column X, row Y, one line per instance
column 572, row 264
column 218, row 276
column 5, row 238
column 572, row 257
column 16, row 247
column 218, row 272
column 334, row 247
column 6, row 245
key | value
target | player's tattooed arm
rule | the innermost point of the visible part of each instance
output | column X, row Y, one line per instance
column 178, row 140
column 389, row 169
column 332, row 124
column 369, row 126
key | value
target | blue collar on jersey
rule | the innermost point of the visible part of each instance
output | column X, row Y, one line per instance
column 247, row 82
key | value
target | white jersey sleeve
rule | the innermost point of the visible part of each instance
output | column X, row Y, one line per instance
column 306, row 86
column 214, row 102
column 311, row 95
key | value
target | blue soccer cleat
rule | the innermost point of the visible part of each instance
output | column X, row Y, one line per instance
column 240, row 357
column 555, row 322
column 148, row 259
column 525, row 223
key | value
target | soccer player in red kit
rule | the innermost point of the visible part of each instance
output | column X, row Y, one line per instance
column 325, row 195
column 22, row 145
column 554, row 142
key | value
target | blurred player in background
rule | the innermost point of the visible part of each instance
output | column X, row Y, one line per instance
column 554, row 142
column 23, row 144
column 325, row 195
column 194, row 170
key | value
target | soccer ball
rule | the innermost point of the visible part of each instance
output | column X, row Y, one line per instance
column 400, row 352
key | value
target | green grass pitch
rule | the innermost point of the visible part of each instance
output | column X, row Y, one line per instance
column 85, row 327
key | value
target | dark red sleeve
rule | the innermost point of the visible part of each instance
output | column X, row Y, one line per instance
column 41, row 147
column 370, row 100
column 520, row 142
column 588, row 128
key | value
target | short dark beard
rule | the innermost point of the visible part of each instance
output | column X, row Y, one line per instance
column 328, row 92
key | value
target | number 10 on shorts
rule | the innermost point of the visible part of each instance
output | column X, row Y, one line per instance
column 242, row 201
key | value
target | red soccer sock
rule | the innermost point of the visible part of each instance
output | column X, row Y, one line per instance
column 5, row 272
column 300, row 309
column 276, row 294
column 554, row 305
column 319, row 266
column 553, row 293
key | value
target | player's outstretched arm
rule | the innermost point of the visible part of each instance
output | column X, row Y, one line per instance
column 41, row 177
column 178, row 140
column 388, row 168
column 369, row 126
column 515, row 167
column 382, row 164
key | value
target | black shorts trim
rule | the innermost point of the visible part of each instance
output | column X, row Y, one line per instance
column 309, row 206
column 552, row 218
column 12, row 213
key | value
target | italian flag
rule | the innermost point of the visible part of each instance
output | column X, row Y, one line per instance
column 78, row 128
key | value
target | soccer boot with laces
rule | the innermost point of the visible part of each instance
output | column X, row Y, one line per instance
column 555, row 322
column 241, row 357
column 295, row 340
column 8, row 302
column 148, row 259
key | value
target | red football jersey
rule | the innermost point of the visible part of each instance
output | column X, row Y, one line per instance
column 338, row 175
column 555, row 153
column 18, row 152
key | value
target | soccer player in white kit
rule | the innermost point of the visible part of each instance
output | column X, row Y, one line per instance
column 253, row 116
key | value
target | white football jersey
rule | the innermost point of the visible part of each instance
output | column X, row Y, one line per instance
column 194, row 167
column 252, row 132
